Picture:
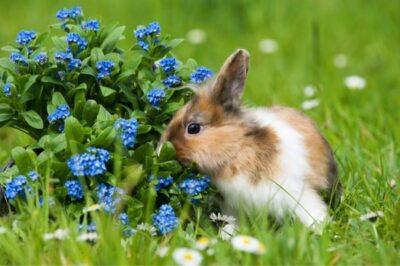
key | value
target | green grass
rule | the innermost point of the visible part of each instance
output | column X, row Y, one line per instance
column 362, row 126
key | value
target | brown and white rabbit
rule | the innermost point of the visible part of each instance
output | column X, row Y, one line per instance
column 271, row 159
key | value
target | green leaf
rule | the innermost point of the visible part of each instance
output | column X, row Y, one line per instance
column 7, row 64
column 174, row 43
column 30, row 82
column 59, row 43
column 9, row 48
column 6, row 113
column 111, row 40
column 143, row 129
column 90, row 112
column 105, row 138
column 73, row 133
column 172, row 166
column 106, row 91
column 167, row 152
column 33, row 119
column 142, row 152
column 24, row 159
column 51, row 80
column 95, row 55
column 129, row 68
column 41, row 38
column 172, row 107
column 57, row 98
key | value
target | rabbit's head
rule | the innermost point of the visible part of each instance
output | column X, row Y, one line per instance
column 207, row 130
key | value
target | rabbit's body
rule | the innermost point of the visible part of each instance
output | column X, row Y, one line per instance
column 273, row 160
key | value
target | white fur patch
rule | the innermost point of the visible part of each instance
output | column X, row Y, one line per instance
column 290, row 193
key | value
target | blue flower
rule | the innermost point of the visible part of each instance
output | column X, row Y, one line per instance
column 74, row 189
column 33, row 175
column 194, row 186
column 63, row 57
column 91, row 227
column 172, row 81
column 25, row 37
column 50, row 201
column 72, row 13
column 154, row 28
column 18, row 58
column 163, row 182
column 61, row 113
column 128, row 130
column 7, row 89
column 75, row 38
column 165, row 219
column 144, row 45
column 74, row 64
column 141, row 33
column 109, row 196
column 16, row 187
column 75, row 12
column 62, row 14
column 128, row 232
column 123, row 217
column 92, row 24
column 201, row 74
column 155, row 96
column 104, row 68
column 41, row 59
column 91, row 163
column 168, row 64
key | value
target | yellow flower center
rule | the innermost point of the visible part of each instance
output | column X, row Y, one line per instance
column 188, row 256
column 246, row 241
column 203, row 240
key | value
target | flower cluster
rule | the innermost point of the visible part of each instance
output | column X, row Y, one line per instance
column 168, row 64
column 123, row 217
column 194, row 186
column 91, row 163
column 152, row 30
column 18, row 58
column 172, row 81
column 128, row 130
column 163, row 182
column 74, row 189
column 61, row 113
column 104, row 68
column 75, row 38
column 33, row 175
column 41, row 59
column 92, row 24
column 66, row 13
column 109, row 196
column 165, row 219
column 25, row 37
column 201, row 74
column 155, row 96
column 7, row 89
column 16, row 187
column 63, row 57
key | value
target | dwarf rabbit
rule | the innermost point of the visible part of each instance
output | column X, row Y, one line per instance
column 269, row 159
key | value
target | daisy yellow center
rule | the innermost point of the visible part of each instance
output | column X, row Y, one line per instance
column 246, row 241
column 203, row 240
column 188, row 256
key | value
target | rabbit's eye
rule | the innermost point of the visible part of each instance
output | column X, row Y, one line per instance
column 193, row 128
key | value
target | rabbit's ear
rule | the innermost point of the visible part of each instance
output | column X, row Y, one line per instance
column 228, row 86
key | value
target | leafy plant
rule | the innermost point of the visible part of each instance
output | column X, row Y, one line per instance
column 96, row 113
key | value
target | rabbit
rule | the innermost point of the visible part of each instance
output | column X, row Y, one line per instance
column 272, row 160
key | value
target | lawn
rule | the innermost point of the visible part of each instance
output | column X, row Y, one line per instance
column 317, row 43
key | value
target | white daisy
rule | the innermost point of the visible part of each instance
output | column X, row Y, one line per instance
column 340, row 60
column 202, row 243
column 227, row 231
column 392, row 183
column 59, row 234
column 93, row 207
column 145, row 227
column 248, row 244
column 268, row 46
column 371, row 215
column 3, row 230
column 187, row 257
column 309, row 104
column 309, row 90
column 91, row 237
column 355, row 82
column 162, row 251
column 222, row 218
column 196, row 36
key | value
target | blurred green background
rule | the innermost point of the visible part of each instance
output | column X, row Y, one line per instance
column 308, row 34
